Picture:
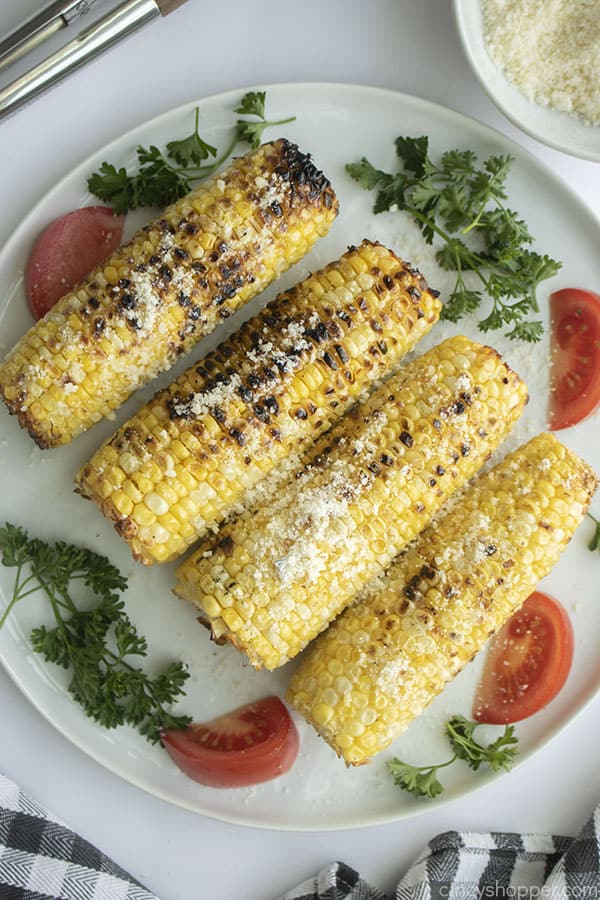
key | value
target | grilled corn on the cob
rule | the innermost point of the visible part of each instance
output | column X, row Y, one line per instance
column 273, row 579
column 185, row 460
column 182, row 274
column 383, row 661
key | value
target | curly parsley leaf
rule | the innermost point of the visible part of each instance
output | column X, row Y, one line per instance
column 96, row 644
column 252, row 104
column 497, row 755
column 461, row 302
column 422, row 781
column 161, row 178
column 461, row 204
column 156, row 182
column 413, row 153
column 191, row 150
column 367, row 175
column 159, row 183
column 531, row 332
column 114, row 186
column 250, row 131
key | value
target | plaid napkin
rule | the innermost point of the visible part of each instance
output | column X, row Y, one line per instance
column 467, row 866
column 41, row 859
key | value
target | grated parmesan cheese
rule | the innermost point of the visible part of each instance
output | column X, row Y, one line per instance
column 316, row 508
column 463, row 382
column 204, row 401
column 550, row 49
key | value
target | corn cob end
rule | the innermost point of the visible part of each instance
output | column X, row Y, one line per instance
column 178, row 278
column 275, row 577
column 411, row 631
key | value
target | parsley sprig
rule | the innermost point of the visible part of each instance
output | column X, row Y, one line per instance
column 463, row 205
column 594, row 544
column 95, row 644
column 423, row 781
column 251, row 131
column 161, row 178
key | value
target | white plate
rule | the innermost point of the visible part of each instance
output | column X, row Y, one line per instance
column 554, row 128
column 337, row 124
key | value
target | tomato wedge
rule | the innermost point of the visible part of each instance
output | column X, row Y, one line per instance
column 527, row 664
column 575, row 362
column 251, row 744
column 68, row 249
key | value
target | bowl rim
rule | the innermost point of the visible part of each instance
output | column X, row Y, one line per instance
column 461, row 16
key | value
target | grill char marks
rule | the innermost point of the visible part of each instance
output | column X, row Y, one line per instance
column 177, row 278
column 306, row 179
column 257, row 400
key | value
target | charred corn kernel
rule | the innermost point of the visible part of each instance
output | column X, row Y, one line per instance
column 261, row 397
column 306, row 542
column 153, row 299
column 444, row 597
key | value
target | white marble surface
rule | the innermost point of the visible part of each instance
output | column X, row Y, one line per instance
column 201, row 49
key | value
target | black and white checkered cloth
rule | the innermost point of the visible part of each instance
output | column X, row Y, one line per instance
column 492, row 866
column 41, row 859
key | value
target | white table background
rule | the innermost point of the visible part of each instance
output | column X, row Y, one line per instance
column 201, row 49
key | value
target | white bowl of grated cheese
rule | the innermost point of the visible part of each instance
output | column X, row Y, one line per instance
column 540, row 64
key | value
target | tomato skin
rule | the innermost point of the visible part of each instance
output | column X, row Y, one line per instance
column 575, row 360
column 249, row 745
column 527, row 664
column 67, row 250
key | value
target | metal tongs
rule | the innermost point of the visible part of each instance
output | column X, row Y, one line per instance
column 102, row 34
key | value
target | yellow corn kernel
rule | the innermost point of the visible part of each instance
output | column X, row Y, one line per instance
column 442, row 598
column 212, row 436
column 309, row 553
column 152, row 300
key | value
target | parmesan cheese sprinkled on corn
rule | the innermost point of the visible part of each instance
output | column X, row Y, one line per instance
column 171, row 284
column 257, row 401
column 277, row 575
column 413, row 629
